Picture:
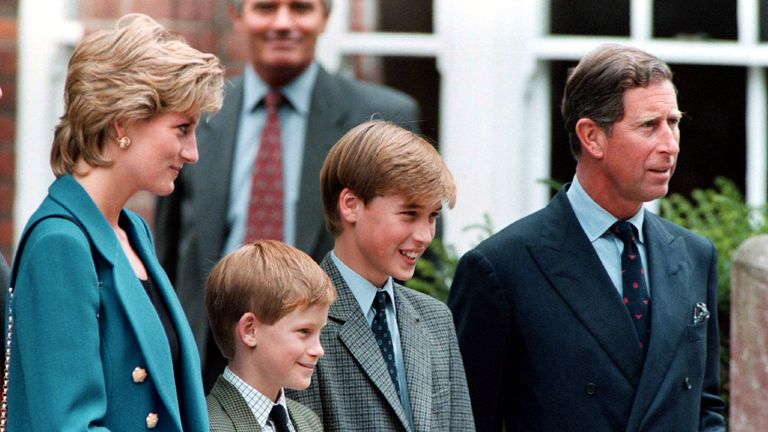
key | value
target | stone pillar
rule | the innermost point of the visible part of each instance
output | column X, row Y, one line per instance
column 749, row 336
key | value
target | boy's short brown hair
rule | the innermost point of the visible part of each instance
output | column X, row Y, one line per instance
column 268, row 278
column 378, row 158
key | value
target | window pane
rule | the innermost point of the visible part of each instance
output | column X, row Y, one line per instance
column 713, row 135
column 416, row 76
column 695, row 19
column 763, row 12
column 590, row 17
column 408, row 16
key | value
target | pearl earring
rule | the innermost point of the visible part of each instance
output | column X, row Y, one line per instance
column 123, row 142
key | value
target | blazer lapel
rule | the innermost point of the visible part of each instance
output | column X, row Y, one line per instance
column 568, row 260
column 189, row 364
column 145, row 323
column 356, row 336
column 300, row 422
column 418, row 364
column 235, row 406
column 324, row 126
column 668, row 268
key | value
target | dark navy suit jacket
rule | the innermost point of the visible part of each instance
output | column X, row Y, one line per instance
column 548, row 344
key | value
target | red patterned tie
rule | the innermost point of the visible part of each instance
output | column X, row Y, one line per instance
column 633, row 282
column 265, row 209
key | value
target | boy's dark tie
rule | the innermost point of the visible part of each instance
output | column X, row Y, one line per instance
column 635, row 295
column 279, row 418
column 383, row 336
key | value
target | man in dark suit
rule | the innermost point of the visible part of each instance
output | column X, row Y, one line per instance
column 207, row 214
column 560, row 326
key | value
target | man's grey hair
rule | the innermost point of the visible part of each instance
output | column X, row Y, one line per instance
column 238, row 5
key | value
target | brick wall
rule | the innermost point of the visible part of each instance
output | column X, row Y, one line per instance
column 8, row 44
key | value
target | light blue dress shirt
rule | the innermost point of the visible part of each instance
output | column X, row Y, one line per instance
column 364, row 293
column 294, row 114
column 595, row 221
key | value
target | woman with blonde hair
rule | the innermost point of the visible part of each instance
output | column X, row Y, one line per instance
column 96, row 338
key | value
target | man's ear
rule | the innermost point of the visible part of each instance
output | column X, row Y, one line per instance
column 248, row 329
column 591, row 136
column 349, row 206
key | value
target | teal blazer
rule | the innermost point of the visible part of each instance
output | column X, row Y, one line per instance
column 84, row 339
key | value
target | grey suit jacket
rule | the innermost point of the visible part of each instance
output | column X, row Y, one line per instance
column 190, row 224
column 351, row 389
column 549, row 346
column 228, row 412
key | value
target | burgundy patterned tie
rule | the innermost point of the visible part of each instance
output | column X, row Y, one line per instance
column 265, row 209
column 635, row 295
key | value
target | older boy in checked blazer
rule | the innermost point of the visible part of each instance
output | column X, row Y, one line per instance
column 392, row 361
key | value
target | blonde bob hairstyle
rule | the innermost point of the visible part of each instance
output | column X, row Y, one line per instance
column 268, row 278
column 379, row 158
column 129, row 73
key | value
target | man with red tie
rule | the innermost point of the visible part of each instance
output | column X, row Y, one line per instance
column 283, row 95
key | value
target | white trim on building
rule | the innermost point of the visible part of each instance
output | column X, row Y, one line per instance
column 46, row 40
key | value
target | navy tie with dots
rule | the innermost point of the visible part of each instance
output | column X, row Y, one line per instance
column 383, row 336
column 635, row 292
column 279, row 418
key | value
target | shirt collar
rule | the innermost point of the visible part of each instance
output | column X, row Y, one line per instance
column 361, row 288
column 260, row 404
column 297, row 92
column 594, row 219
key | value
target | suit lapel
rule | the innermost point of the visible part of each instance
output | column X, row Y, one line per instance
column 217, row 137
column 300, row 422
column 668, row 268
column 235, row 406
column 356, row 336
column 418, row 364
column 145, row 322
column 189, row 371
column 569, row 261
column 324, row 126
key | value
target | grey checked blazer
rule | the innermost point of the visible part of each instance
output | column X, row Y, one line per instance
column 228, row 412
column 351, row 389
